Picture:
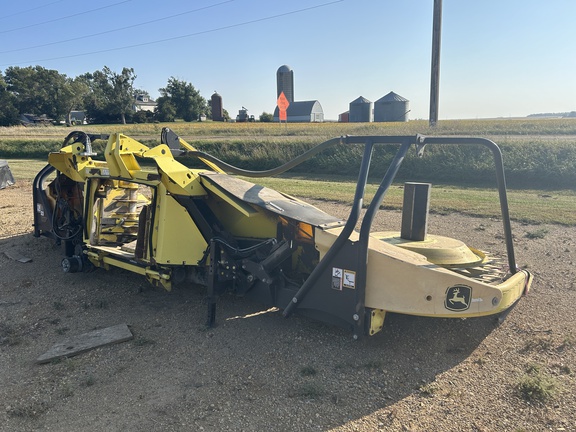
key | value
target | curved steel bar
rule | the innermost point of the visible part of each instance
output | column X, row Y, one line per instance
column 271, row 172
column 501, row 182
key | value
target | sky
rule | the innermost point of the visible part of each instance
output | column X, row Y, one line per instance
column 499, row 58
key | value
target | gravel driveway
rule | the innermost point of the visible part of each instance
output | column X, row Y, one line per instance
column 257, row 371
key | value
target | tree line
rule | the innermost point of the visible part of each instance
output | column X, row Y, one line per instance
column 104, row 95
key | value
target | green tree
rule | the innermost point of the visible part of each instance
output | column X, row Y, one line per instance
column 266, row 117
column 141, row 92
column 111, row 95
column 165, row 111
column 181, row 100
column 79, row 89
column 40, row 91
column 8, row 111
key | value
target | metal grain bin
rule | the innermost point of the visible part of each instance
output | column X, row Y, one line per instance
column 391, row 108
column 360, row 110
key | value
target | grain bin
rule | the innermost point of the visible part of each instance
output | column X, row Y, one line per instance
column 391, row 108
column 360, row 110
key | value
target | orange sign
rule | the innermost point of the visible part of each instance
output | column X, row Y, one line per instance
column 283, row 105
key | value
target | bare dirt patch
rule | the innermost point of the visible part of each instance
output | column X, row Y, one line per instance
column 262, row 372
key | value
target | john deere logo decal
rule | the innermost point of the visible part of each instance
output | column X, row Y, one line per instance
column 458, row 298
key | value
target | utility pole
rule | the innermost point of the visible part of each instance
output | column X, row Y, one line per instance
column 435, row 73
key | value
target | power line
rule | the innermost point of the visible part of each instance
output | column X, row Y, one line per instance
column 64, row 17
column 29, row 10
column 74, row 39
column 182, row 36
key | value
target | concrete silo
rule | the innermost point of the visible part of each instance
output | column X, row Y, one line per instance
column 285, row 82
column 391, row 108
column 217, row 107
column 360, row 110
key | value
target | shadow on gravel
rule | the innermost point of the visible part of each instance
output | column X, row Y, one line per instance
column 252, row 371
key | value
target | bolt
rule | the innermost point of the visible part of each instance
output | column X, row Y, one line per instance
column 355, row 317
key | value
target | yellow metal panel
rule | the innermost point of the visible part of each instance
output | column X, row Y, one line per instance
column 444, row 251
column 70, row 163
column 376, row 320
column 180, row 179
column 258, row 225
column 120, row 155
column 104, row 259
column 406, row 282
column 177, row 240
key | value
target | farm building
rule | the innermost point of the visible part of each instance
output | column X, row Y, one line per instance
column 360, row 110
column 143, row 103
column 391, row 108
column 344, row 117
column 77, row 117
column 303, row 112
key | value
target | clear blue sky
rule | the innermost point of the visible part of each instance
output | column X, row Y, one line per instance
column 499, row 58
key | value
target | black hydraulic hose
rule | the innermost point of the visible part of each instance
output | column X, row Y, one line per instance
column 242, row 252
column 501, row 182
column 271, row 172
column 344, row 234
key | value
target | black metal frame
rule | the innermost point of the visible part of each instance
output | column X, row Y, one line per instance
column 340, row 246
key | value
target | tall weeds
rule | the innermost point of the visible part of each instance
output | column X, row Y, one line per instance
column 538, row 153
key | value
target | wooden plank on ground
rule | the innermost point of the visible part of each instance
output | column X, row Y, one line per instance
column 16, row 256
column 85, row 342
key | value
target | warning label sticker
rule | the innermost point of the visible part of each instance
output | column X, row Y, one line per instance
column 349, row 280
column 337, row 278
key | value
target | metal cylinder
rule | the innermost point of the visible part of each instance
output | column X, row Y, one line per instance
column 415, row 211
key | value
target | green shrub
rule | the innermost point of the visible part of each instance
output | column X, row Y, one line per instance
column 537, row 386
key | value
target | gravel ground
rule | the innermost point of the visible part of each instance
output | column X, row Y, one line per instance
column 258, row 371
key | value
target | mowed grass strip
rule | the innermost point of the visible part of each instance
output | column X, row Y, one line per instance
column 533, row 206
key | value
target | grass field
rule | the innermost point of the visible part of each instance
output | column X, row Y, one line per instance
column 493, row 127
column 540, row 160
column 534, row 206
